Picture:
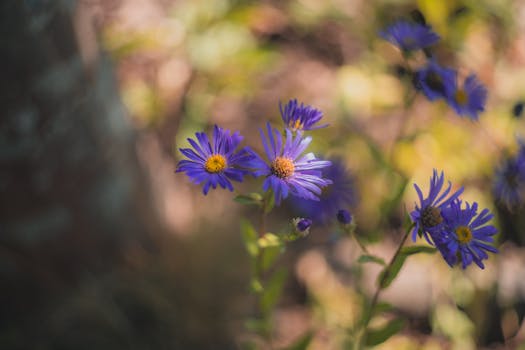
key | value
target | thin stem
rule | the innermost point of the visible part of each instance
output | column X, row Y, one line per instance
column 375, row 298
column 361, row 245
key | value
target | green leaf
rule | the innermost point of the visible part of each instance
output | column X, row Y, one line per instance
column 269, row 255
column 389, row 274
column 414, row 249
column 366, row 258
column 249, row 236
column 269, row 240
column 302, row 343
column 256, row 286
column 380, row 335
column 253, row 198
column 382, row 307
column 273, row 290
column 269, row 201
column 257, row 325
column 378, row 309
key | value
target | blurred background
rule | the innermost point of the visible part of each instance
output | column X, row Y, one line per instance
column 103, row 246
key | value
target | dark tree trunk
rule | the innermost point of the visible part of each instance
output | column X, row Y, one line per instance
column 72, row 193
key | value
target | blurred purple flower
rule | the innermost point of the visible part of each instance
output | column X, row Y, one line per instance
column 469, row 99
column 435, row 81
column 300, row 117
column 410, row 36
column 340, row 194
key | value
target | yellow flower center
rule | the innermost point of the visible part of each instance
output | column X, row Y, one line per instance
column 464, row 234
column 297, row 125
column 215, row 163
column 282, row 167
column 461, row 97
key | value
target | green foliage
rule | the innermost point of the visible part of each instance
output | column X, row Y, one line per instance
column 418, row 249
column 273, row 290
column 269, row 240
column 269, row 256
column 249, row 236
column 382, row 307
column 260, row 326
column 302, row 343
column 380, row 335
column 269, row 201
column 366, row 258
column 252, row 198
column 387, row 276
column 256, row 286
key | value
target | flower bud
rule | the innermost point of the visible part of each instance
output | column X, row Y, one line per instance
column 344, row 217
column 302, row 226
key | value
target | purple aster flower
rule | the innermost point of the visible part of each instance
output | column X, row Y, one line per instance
column 435, row 81
column 467, row 236
column 410, row 36
column 300, row 117
column 340, row 194
column 287, row 171
column 217, row 164
column 509, row 180
column 469, row 99
column 427, row 216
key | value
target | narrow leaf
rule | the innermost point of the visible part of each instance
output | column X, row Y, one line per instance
column 253, row 198
column 249, row 236
column 382, row 307
column 256, row 286
column 414, row 249
column 257, row 325
column 389, row 274
column 366, row 258
column 273, row 290
column 302, row 343
column 269, row 255
column 380, row 335
column 269, row 201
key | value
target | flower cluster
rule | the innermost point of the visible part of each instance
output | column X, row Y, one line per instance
column 458, row 231
column 286, row 171
column 467, row 97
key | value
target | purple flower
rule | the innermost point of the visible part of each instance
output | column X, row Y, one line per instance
column 300, row 117
column 340, row 194
column 410, row 36
column 427, row 216
column 435, row 81
column 509, row 180
column 217, row 164
column 466, row 236
column 286, row 170
column 469, row 99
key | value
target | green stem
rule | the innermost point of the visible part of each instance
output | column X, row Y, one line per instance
column 361, row 245
column 375, row 298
